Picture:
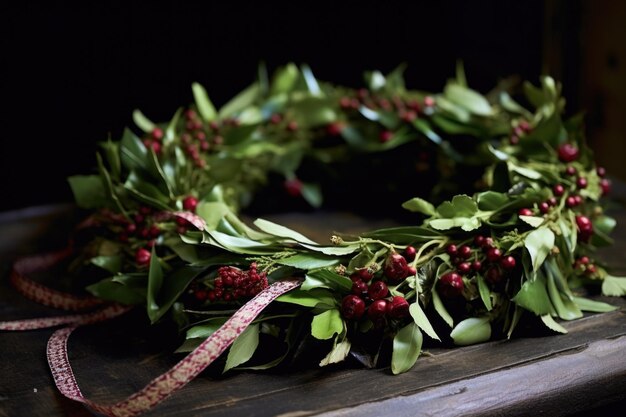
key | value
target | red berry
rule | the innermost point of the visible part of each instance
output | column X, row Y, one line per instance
column 395, row 267
column 293, row 187
column 411, row 271
column 409, row 253
column 451, row 284
column 579, row 199
column 359, row 287
column 156, row 147
column 601, row 171
column 507, row 262
column 525, row 212
column 190, row 203
column 190, row 114
column 451, row 250
column 591, row 269
column 352, row 307
column 154, row 231
column 292, row 126
column 334, row 129
column 581, row 182
column 365, row 274
column 494, row 254
column 571, row 202
column 568, row 152
column 157, row 133
column 214, row 126
column 585, row 228
column 398, row 307
column 464, row 252
column 477, row 265
column 493, row 275
column 570, row 170
column 487, row 244
column 408, row 116
column 276, row 119
column 514, row 140
column 181, row 221
column 605, row 185
column 344, row 102
column 201, row 295
column 552, row 201
column 429, row 101
column 377, row 290
column 558, row 190
column 142, row 256
column 479, row 240
column 464, row 268
column 131, row 228
column 584, row 260
column 385, row 136
column 377, row 309
column 544, row 207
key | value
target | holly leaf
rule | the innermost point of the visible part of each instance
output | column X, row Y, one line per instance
column 539, row 243
column 327, row 324
column 243, row 347
column 471, row 331
column 614, row 286
column 407, row 346
column 205, row 107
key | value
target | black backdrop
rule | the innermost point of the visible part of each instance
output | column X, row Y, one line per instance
column 73, row 72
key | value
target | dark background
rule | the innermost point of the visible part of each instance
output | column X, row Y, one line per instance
column 73, row 72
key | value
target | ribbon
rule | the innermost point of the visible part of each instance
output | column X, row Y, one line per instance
column 159, row 388
column 179, row 375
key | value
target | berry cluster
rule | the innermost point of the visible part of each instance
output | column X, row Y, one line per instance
column 407, row 110
column 154, row 140
column 372, row 295
column 583, row 265
column 480, row 258
column 519, row 131
column 232, row 284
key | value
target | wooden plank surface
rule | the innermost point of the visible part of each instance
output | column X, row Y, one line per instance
column 538, row 375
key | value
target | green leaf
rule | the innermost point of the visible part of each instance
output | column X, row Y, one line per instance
column 205, row 107
column 275, row 229
column 465, row 223
column 284, row 79
column 312, row 193
column 468, row 99
column 310, row 80
column 332, row 278
column 614, row 286
column 407, row 346
column 155, row 281
column 327, row 324
column 333, row 250
column 485, row 293
column 512, row 106
column 240, row 102
column 88, row 191
column 133, row 153
column 491, row 200
column 532, row 220
column 419, row 317
column 471, row 331
column 552, row 325
column 460, row 206
column 565, row 308
column 586, row 304
column 111, row 289
column 419, row 205
column 539, row 243
column 142, row 121
column 533, row 296
column 441, row 309
column 308, row 261
column 243, row 347
column 310, row 298
column 112, row 154
column 525, row 172
column 338, row 353
column 170, row 289
column 112, row 263
column 206, row 329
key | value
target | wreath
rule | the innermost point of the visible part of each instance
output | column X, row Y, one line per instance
column 505, row 214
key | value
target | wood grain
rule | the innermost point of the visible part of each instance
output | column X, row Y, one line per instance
column 546, row 375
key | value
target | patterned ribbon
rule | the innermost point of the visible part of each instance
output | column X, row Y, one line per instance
column 159, row 388
column 179, row 375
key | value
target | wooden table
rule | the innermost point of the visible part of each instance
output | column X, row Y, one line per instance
column 547, row 375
